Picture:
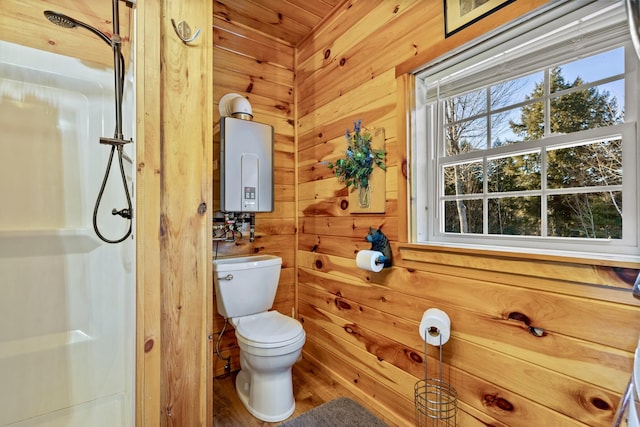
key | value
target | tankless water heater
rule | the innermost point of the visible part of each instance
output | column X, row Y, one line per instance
column 243, row 166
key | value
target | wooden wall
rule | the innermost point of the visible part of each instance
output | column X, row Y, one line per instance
column 173, row 135
column 260, row 68
column 363, row 327
column 173, row 217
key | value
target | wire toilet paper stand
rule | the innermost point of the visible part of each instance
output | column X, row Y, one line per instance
column 436, row 401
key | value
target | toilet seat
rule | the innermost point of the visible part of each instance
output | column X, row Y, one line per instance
column 269, row 329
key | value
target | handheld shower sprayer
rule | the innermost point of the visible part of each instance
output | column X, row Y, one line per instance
column 118, row 141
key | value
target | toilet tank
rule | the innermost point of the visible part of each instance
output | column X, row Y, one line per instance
column 245, row 285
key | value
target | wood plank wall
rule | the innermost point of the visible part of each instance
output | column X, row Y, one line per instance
column 173, row 217
column 247, row 62
column 363, row 327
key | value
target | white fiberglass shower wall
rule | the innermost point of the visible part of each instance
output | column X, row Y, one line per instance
column 67, row 300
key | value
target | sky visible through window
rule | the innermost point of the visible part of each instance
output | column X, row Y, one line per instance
column 594, row 68
column 589, row 69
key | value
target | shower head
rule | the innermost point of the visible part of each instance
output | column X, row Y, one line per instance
column 60, row 19
column 68, row 22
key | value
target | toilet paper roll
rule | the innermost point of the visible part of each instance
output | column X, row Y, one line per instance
column 367, row 260
column 436, row 325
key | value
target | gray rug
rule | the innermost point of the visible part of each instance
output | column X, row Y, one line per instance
column 336, row 413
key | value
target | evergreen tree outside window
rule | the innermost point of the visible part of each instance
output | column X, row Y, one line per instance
column 534, row 145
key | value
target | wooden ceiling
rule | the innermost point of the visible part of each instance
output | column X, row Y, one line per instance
column 23, row 22
column 286, row 20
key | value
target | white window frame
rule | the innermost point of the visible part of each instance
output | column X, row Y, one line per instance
column 548, row 29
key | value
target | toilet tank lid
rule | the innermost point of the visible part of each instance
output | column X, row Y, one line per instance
column 245, row 262
column 269, row 327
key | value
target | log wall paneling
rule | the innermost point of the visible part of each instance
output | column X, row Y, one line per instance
column 148, row 208
column 259, row 67
column 174, row 376
column 536, row 340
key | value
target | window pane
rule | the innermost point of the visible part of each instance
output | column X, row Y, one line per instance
column 595, row 164
column 464, row 106
column 512, row 126
column 529, row 124
column 514, row 173
column 584, row 109
column 516, row 216
column 593, row 68
column 517, row 90
column 466, row 136
column 614, row 93
column 462, row 179
column 463, row 216
column 589, row 215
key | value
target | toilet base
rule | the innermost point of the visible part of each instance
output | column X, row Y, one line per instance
column 243, row 386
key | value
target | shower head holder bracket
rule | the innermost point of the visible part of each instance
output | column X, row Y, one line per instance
column 114, row 141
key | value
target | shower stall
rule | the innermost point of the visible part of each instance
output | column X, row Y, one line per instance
column 67, row 298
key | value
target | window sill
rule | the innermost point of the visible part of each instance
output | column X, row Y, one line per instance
column 484, row 252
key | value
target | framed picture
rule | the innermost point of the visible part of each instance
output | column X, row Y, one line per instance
column 459, row 14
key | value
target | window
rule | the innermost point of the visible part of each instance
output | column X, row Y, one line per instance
column 528, row 140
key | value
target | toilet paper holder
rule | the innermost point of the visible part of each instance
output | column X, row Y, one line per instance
column 380, row 243
column 436, row 401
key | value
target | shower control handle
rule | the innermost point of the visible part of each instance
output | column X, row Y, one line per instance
column 125, row 213
column 227, row 277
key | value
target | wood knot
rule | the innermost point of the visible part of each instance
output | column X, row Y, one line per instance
column 341, row 305
column 202, row 208
column 514, row 315
column 327, row 53
column 318, row 264
column 415, row 357
column 600, row 404
column 535, row 331
column 343, row 61
column 498, row 402
column 344, row 204
column 148, row 345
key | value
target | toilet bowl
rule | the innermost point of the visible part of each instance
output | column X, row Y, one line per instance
column 270, row 343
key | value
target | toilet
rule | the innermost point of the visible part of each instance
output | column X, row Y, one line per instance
column 270, row 342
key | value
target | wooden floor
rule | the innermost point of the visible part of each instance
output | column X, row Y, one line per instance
column 311, row 388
